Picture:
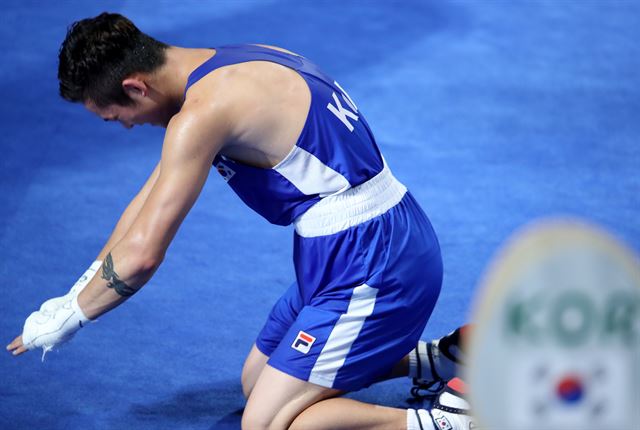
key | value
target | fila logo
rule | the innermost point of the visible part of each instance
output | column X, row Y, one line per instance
column 303, row 342
column 225, row 171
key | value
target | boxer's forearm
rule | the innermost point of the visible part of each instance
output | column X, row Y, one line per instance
column 124, row 271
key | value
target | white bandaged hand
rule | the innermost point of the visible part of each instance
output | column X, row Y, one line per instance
column 45, row 329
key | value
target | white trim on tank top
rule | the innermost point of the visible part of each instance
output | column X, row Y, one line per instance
column 310, row 175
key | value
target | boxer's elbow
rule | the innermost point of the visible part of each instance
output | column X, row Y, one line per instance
column 146, row 268
column 145, row 256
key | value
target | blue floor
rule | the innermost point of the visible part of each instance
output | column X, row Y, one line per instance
column 492, row 112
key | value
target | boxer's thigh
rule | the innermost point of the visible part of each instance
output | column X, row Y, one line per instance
column 280, row 319
column 253, row 365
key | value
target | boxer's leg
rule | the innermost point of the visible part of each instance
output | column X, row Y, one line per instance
column 449, row 413
column 282, row 315
column 277, row 399
column 281, row 401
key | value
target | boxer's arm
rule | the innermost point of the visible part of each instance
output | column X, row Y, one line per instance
column 191, row 144
column 188, row 152
column 129, row 215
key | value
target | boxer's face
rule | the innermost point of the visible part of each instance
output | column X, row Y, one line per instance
column 147, row 107
column 135, row 114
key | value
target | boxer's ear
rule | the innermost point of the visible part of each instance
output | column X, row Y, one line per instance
column 135, row 87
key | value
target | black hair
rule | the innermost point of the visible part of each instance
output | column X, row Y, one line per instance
column 99, row 53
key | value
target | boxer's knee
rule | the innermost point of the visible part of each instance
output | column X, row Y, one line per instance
column 253, row 421
column 262, row 414
column 278, row 398
column 265, row 413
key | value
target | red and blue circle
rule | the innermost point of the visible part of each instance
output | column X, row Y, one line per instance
column 570, row 389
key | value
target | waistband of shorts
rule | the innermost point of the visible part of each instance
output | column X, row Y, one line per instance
column 354, row 206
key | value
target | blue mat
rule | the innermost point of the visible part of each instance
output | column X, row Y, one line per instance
column 492, row 112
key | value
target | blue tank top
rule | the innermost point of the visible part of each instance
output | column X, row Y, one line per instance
column 334, row 152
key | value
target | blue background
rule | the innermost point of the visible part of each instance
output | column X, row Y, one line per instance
column 492, row 112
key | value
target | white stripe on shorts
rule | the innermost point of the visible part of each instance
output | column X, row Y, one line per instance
column 343, row 335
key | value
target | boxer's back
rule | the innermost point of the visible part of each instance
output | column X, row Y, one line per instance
column 301, row 139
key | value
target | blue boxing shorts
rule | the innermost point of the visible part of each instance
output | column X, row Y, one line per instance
column 369, row 272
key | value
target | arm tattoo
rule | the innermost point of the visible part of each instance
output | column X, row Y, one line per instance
column 109, row 273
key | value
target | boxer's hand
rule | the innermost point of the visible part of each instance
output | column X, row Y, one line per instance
column 57, row 322
column 62, row 332
column 16, row 347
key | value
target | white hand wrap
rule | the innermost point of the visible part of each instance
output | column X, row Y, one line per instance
column 46, row 330
column 58, row 318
